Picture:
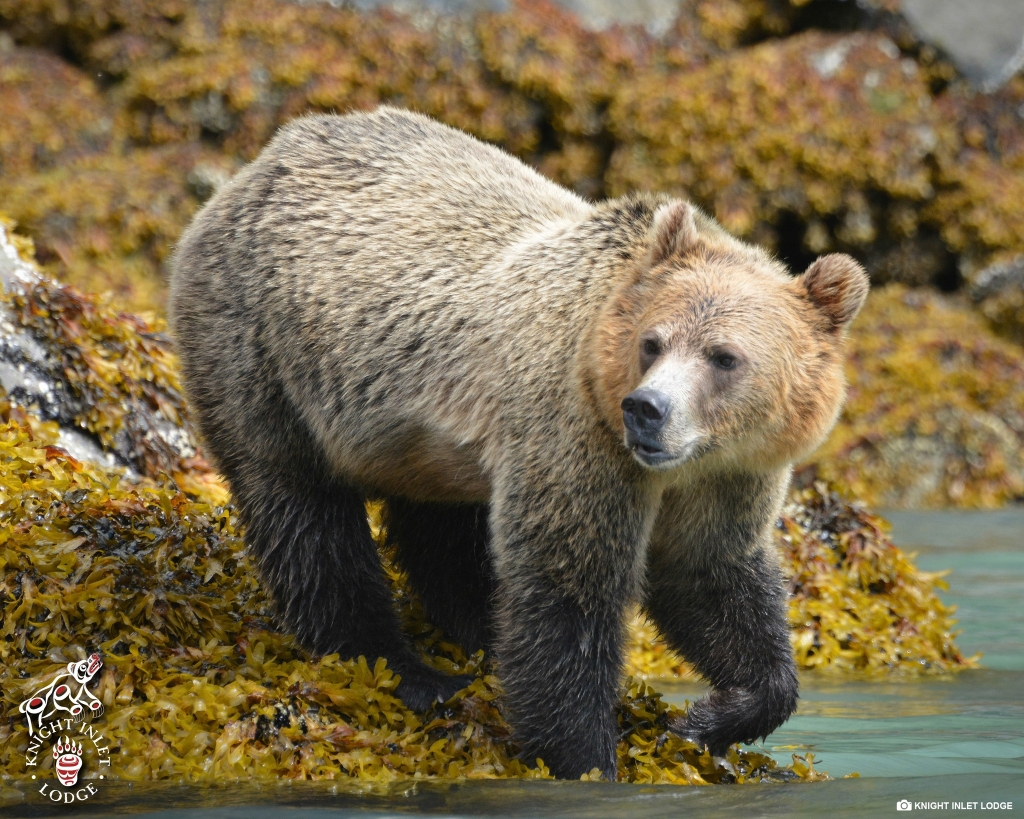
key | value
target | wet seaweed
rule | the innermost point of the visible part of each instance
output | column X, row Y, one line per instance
column 198, row 682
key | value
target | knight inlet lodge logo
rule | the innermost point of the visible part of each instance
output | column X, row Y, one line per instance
column 53, row 713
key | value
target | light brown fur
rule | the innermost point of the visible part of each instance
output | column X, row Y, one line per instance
column 381, row 306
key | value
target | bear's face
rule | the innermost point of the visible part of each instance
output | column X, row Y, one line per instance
column 713, row 353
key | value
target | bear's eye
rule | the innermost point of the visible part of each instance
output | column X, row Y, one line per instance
column 724, row 361
column 651, row 347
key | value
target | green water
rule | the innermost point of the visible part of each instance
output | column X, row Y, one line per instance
column 947, row 740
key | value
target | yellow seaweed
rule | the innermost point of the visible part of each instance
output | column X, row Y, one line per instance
column 199, row 685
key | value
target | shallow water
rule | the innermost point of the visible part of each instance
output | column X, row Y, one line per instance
column 957, row 739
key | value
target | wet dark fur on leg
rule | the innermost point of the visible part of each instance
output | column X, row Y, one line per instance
column 563, row 710
column 443, row 548
column 719, row 599
column 732, row 628
column 314, row 548
column 564, row 580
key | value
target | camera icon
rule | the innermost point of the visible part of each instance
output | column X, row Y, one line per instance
column 904, row 804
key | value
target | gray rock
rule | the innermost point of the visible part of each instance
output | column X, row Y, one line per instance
column 656, row 15
column 32, row 378
column 984, row 38
column 997, row 278
column 998, row 294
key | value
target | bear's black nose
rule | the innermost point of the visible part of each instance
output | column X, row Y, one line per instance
column 645, row 410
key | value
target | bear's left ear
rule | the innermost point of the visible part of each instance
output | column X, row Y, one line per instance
column 672, row 231
column 837, row 285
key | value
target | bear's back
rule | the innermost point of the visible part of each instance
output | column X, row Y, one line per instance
column 350, row 176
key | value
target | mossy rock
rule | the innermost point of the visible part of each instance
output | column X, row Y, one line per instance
column 934, row 415
column 107, row 222
column 807, row 143
column 52, row 112
column 998, row 294
column 201, row 683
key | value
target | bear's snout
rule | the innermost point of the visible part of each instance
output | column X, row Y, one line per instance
column 644, row 413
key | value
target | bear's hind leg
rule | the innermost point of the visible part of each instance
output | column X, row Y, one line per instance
column 443, row 548
column 314, row 547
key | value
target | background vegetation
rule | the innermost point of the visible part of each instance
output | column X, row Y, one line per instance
column 799, row 127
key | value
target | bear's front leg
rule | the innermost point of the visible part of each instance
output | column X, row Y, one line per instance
column 568, row 549
column 716, row 593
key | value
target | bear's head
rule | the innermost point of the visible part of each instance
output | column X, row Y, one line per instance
column 710, row 351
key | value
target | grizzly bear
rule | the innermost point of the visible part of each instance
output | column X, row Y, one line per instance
column 568, row 407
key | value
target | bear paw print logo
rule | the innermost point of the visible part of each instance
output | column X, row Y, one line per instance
column 69, row 761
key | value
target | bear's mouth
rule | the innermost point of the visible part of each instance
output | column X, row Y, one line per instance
column 653, row 456
column 650, row 454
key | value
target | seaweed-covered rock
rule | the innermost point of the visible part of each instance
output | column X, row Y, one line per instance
column 836, row 133
column 934, row 415
column 981, row 185
column 859, row 603
column 256, row 65
column 107, row 379
column 52, row 111
column 78, row 25
column 200, row 683
column 107, row 222
column 808, row 142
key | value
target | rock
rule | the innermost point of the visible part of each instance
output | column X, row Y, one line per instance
column 998, row 292
column 655, row 15
column 836, row 132
column 31, row 377
column 52, row 111
column 106, row 222
column 985, row 38
column 108, row 380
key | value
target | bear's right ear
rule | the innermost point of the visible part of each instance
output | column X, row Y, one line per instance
column 672, row 231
